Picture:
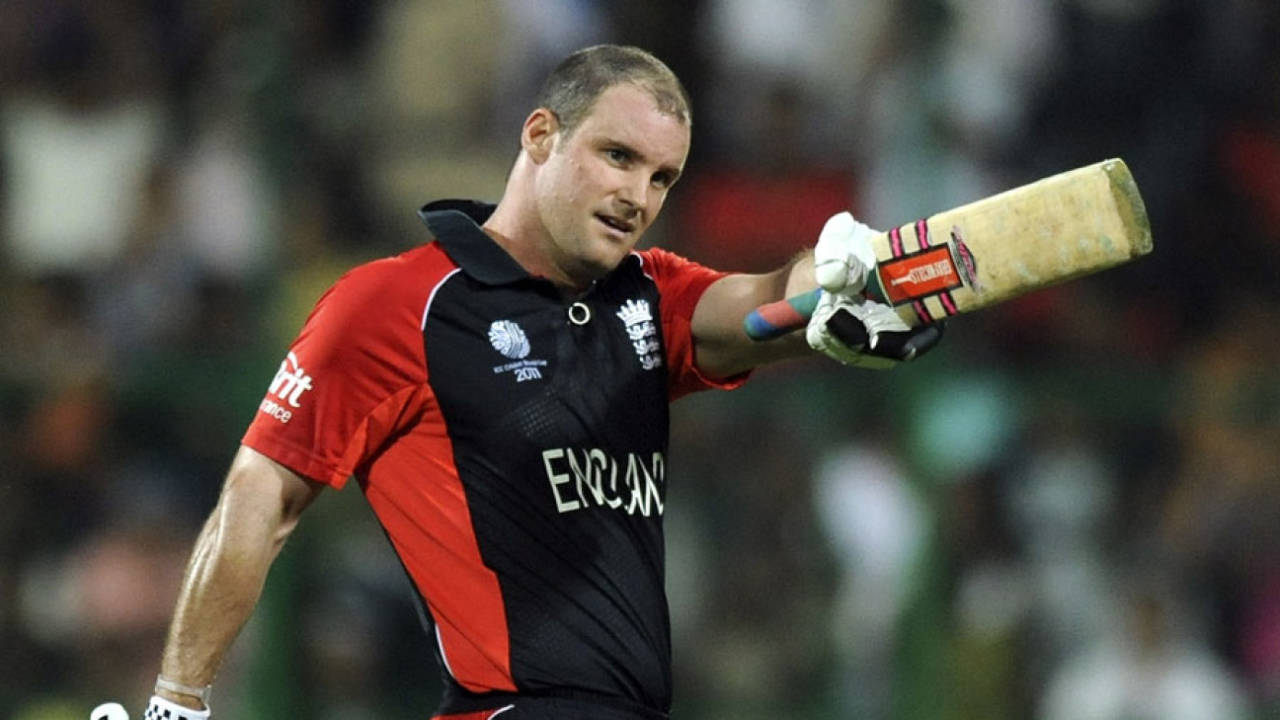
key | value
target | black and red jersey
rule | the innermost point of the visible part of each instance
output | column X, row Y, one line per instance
column 513, row 445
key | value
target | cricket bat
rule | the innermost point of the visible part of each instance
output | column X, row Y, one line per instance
column 1047, row 232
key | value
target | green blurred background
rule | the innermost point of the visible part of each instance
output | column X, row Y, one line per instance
column 1066, row 511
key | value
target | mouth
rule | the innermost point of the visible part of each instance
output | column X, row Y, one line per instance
column 616, row 224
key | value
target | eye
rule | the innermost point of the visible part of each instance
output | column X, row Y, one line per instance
column 618, row 155
column 664, row 180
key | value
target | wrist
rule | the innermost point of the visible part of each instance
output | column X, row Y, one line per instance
column 187, row 696
column 187, row 701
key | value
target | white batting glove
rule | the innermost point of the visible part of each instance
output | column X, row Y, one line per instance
column 876, row 318
column 161, row 709
column 843, row 257
column 109, row 711
column 157, row 709
column 871, row 335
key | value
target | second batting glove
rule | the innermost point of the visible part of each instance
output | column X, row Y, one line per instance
column 860, row 332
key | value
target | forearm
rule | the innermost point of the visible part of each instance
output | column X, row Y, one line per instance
column 794, row 278
column 226, row 574
column 723, row 347
column 223, row 582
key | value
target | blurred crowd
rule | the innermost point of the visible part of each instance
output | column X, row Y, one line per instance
column 1064, row 512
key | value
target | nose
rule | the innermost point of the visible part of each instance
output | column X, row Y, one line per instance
column 634, row 193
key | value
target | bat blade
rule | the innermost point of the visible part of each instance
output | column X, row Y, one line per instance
column 1047, row 232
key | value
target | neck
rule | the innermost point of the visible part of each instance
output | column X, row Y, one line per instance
column 517, row 228
column 524, row 244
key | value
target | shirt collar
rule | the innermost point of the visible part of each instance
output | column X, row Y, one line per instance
column 456, row 225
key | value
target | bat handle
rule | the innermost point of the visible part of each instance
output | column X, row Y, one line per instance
column 775, row 319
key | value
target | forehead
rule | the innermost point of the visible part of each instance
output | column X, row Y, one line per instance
column 628, row 114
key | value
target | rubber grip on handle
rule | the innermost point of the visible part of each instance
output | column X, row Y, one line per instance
column 775, row 319
column 779, row 318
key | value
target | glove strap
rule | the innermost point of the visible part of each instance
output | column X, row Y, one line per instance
column 164, row 683
column 161, row 709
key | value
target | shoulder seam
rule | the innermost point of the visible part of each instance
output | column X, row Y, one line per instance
column 644, row 268
column 432, row 296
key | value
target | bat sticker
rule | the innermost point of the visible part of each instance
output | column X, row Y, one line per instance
column 911, row 277
column 968, row 265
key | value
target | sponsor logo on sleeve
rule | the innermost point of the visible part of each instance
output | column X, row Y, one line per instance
column 284, row 395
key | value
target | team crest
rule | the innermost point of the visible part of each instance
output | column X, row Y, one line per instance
column 638, row 321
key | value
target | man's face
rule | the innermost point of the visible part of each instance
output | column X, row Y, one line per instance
column 601, row 187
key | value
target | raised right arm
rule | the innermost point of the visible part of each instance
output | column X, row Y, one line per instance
column 259, row 507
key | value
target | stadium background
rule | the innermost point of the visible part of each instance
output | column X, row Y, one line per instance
column 1072, row 497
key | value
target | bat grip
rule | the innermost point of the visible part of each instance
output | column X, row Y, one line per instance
column 775, row 319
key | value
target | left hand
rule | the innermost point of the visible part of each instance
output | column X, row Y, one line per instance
column 843, row 257
column 860, row 332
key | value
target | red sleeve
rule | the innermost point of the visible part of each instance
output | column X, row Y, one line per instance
column 681, row 283
column 355, row 374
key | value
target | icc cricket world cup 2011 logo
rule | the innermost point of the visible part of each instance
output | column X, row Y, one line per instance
column 509, row 339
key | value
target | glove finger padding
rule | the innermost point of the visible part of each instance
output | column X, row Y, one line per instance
column 865, row 333
column 894, row 345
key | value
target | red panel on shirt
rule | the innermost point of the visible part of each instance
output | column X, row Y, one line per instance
column 352, row 397
column 356, row 367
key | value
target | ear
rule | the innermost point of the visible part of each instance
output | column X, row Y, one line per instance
column 539, row 134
